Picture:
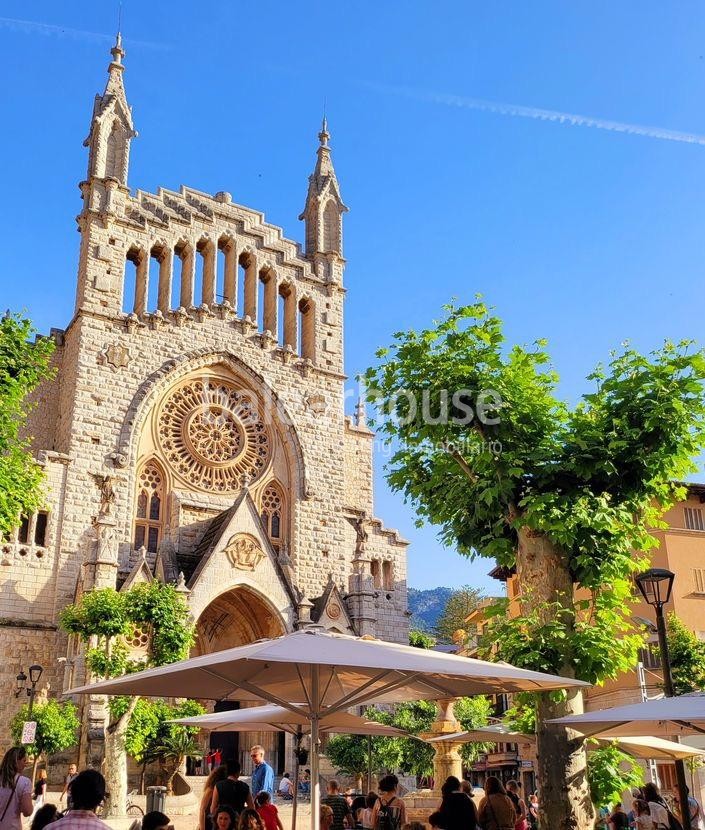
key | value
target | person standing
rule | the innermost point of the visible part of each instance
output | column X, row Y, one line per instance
column 696, row 813
column 232, row 792
column 262, row 774
column 40, row 789
column 618, row 818
column 268, row 812
column 389, row 812
column 15, row 789
column 70, row 775
column 338, row 804
column 496, row 809
column 657, row 806
column 87, row 793
column 457, row 810
column 204, row 812
column 521, row 822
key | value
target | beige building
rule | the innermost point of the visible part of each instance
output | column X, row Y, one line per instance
column 195, row 432
column 681, row 549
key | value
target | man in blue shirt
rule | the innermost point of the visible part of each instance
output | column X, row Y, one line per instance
column 262, row 773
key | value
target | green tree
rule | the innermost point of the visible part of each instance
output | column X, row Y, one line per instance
column 460, row 604
column 149, row 729
column 687, row 654
column 419, row 639
column 23, row 366
column 349, row 755
column 102, row 619
column 486, row 450
column 57, row 728
column 610, row 773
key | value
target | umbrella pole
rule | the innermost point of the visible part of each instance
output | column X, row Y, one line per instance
column 297, row 747
column 369, row 764
column 315, row 718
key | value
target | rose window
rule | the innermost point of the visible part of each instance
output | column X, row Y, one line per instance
column 213, row 434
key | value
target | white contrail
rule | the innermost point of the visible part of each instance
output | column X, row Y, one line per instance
column 30, row 27
column 539, row 114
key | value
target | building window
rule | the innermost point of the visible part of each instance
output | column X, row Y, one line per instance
column 694, row 519
column 23, row 530
column 387, row 576
column 699, row 580
column 650, row 656
column 149, row 515
column 272, row 512
column 376, row 572
column 40, row 528
column 667, row 776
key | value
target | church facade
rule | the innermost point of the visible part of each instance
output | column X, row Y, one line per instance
column 195, row 430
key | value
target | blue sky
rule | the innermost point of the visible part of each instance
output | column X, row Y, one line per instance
column 587, row 235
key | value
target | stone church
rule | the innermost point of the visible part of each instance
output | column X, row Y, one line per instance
column 195, row 431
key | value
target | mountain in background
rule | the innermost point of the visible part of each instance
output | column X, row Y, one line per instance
column 427, row 606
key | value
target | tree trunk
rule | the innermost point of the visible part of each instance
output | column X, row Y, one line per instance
column 115, row 763
column 544, row 579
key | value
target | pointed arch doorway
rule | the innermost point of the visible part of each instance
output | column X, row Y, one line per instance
column 234, row 618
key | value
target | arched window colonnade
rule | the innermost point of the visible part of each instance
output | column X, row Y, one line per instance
column 187, row 276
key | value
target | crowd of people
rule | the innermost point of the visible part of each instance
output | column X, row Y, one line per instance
column 229, row 803
column 649, row 811
column 501, row 808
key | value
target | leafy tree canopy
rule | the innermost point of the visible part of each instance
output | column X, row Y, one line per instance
column 23, row 365
column 610, row 773
column 111, row 615
column 687, row 654
column 57, row 726
column 460, row 604
column 149, row 729
column 349, row 752
column 486, row 450
column 419, row 639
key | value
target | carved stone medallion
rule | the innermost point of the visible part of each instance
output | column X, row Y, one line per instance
column 116, row 356
column 244, row 552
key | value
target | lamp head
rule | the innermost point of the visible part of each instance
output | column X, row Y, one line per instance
column 35, row 672
column 655, row 586
column 21, row 680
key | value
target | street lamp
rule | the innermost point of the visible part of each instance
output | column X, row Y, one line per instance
column 655, row 586
column 35, row 672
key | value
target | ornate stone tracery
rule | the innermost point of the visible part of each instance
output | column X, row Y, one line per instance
column 212, row 433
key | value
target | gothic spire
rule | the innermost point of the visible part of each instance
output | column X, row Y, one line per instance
column 111, row 125
column 324, row 206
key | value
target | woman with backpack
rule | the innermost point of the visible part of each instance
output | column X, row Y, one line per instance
column 389, row 812
column 662, row 816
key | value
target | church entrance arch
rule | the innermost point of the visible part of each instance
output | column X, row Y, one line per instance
column 235, row 618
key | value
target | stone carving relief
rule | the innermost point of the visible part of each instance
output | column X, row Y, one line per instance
column 213, row 434
column 316, row 404
column 244, row 552
column 115, row 355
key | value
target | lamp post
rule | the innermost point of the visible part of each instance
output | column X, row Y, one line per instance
column 35, row 672
column 655, row 586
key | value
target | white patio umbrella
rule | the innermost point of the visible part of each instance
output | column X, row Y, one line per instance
column 273, row 718
column 682, row 715
column 640, row 746
column 315, row 672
